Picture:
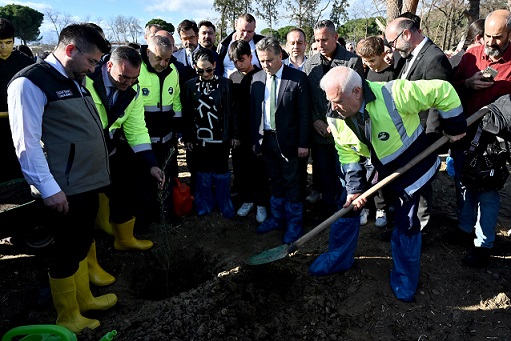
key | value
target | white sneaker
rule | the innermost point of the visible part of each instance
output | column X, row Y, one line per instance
column 381, row 218
column 313, row 197
column 245, row 209
column 363, row 216
column 261, row 214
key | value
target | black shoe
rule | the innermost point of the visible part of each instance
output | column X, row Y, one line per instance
column 477, row 258
column 459, row 237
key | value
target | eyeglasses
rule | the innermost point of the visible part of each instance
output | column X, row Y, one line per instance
column 201, row 71
column 392, row 42
column 92, row 62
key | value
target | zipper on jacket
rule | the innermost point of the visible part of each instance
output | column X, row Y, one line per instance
column 70, row 160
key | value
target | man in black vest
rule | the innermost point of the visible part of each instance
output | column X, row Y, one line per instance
column 59, row 141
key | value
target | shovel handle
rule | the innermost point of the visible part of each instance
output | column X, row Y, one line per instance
column 437, row 144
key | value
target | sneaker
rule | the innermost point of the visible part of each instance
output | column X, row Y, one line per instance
column 363, row 216
column 313, row 197
column 245, row 209
column 381, row 218
column 261, row 214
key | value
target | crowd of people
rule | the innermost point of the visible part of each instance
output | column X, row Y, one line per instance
column 95, row 131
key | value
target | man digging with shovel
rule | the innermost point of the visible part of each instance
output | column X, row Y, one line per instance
column 381, row 122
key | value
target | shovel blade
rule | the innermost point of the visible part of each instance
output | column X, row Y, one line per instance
column 268, row 256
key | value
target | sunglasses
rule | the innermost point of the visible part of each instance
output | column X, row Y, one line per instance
column 201, row 71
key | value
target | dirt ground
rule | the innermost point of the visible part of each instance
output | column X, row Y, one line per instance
column 194, row 285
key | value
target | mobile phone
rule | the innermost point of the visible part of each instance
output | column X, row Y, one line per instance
column 489, row 73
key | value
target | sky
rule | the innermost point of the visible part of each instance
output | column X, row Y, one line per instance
column 172, row 11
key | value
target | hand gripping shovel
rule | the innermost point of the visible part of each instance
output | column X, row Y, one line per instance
column 282, row 251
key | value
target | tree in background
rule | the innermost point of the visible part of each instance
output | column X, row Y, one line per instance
column 165, row 25
column 229, row 11
column 26, row 21
column 268, row 10
column 354, row 30
column 58, row 19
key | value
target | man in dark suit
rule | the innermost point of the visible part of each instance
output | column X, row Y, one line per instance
column 424, row 60
column 279, row 129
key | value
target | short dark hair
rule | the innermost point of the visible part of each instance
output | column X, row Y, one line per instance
column 476, row 28
column 407, row 24
column 239, row 48
column 206, row 23
column 325, row 24
column 6, row 29
column 203, row 54
column 341, row 41
column 297, row 29
column 84, row 35
column 126, row 53
column 136, row 46
column 186, row 25
column 413, row 17
column 247, row 17
column 269, row 43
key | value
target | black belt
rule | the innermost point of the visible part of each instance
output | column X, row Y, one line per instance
column 270, row 132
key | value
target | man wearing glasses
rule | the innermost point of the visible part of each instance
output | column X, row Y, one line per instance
column 59, row 141
column 424, row 60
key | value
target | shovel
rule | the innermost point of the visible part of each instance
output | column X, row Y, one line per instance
column 284, row 250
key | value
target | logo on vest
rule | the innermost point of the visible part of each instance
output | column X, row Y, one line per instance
column 383, row 136
column 171, row 91
column 64, row 93
column 145, row 92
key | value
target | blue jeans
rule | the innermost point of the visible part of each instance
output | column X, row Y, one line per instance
column 480, row 211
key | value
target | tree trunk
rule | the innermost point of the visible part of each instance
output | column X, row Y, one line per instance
column 410, row 6
column 394, row 9
column 473, row 10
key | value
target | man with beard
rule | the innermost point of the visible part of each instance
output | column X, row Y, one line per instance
column 207, row 36
column 476, row 90
column 59, row 141
column 423, row 60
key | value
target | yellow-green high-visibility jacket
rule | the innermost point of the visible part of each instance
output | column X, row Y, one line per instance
column 127, row 115
column 162, row 105
column 387, row 129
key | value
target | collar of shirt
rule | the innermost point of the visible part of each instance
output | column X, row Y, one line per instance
column 106, row 79
column 278, row 74
column 506, row 57
column 418, row 48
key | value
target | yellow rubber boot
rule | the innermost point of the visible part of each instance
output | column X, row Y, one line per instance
column 84, row 297
column 97, row 275
column 124, row 239
column 103, row 216
column 63, row 291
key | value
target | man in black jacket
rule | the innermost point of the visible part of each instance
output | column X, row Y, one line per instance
column 11, row 61
column 245, row 29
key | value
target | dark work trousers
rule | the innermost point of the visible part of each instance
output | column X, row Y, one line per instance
column 327, row 165
column 249, row 170
column 316, row 181
column 121, row 191
column 211, row 157
column 148, row 206
column 10, row 168
column 72, row 232
column 285, row 175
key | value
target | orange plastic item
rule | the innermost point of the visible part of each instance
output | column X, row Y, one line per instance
column 183, row 200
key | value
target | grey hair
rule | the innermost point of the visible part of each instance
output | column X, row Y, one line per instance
column 126, row 53
column 162, row 42
column 325, row 24
column 269, row 43
column 343, row 78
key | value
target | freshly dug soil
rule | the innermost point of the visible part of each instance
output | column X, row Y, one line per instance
column 194, row 285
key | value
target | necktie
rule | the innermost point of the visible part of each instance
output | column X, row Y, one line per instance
column 273, row 100
column 111, row 97
column 407, row 63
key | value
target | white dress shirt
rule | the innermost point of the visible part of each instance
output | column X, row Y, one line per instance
column 414, row 53
column 266, row 111
column 26, row 107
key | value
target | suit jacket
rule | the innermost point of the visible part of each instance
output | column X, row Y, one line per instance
column 430, row 63
column 315, row 70
column 292, row 117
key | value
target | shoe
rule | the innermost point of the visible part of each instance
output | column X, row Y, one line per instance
column 381, row 218
column 261, row 214
column 363, row 216
column 477, row 258
column 245, row 209
column 313, row 197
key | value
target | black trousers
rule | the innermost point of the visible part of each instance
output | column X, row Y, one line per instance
column 285, row 174
column 327, row 166
column 73, row 233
